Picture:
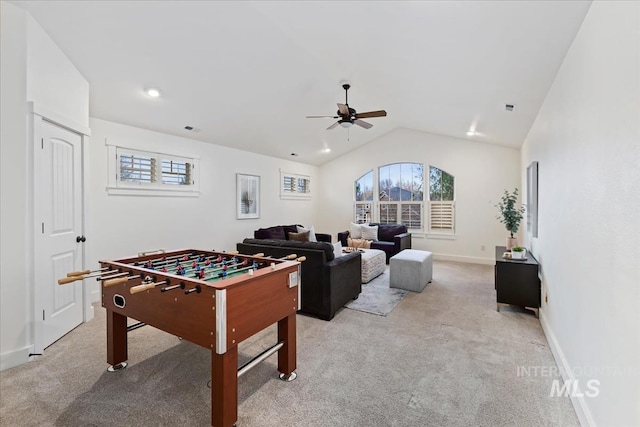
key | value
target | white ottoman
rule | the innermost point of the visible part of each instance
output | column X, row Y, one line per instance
column 411, row 270
column 374, row 262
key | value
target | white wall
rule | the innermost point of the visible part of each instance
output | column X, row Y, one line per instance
column 586, row 139
column 482, row 172
column 33, row 69
column 125, row 225
column 14, row 327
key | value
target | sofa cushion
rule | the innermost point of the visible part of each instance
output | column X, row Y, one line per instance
column 299, row 237
column 358, row 243
column 276, row 232
column 386, row 232
column 369, row 232
column 289, row 229
column 312, row 232
column 318, row 246
column 355, row 231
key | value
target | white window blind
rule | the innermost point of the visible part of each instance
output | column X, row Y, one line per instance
column 137, row 168
column 176, row 173
column 441, row 216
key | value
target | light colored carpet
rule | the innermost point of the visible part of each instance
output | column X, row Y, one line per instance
column 377, row 297
column 443, row 357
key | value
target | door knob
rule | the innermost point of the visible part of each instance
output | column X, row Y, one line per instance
column 81, row 239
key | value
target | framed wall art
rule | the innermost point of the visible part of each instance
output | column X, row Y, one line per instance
column 247, row 196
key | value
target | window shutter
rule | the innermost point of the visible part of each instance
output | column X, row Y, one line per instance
column 137, row 168
column 441, row 214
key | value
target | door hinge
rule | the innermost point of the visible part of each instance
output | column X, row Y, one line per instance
column 43, row 228
column 43, row 315
column 42, row 143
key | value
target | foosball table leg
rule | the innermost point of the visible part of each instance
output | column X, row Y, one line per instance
column 287, row 354
column 116, row 341
column 224, row 388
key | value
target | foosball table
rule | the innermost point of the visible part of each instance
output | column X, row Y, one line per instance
column 213, row 299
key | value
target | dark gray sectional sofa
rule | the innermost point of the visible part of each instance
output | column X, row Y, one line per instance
column 328, row 283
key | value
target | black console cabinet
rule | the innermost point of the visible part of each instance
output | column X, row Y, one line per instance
column 517, row 282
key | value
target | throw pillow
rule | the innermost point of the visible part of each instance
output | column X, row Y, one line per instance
column 300, row 237
column 276, row 232
column 337, row 249
column 355, row 231
column 359, row 243
column 312, row 233
column 370, row 232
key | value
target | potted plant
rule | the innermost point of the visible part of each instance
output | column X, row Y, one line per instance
column 510, row 215
column 518, row 252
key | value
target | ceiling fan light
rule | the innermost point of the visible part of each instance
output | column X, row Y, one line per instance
column 346, row 124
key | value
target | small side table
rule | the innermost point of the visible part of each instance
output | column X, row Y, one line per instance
column 517, row 281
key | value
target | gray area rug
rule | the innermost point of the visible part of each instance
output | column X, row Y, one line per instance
column 377, row 297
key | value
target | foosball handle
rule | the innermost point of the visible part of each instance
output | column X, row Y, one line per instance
column 116, row 281
column 291, row 256
column 302, row 258
column 259, row 254
column 66, row 280
column 142, row 288
column 78, row 273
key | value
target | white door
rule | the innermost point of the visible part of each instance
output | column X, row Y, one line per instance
column 58, row 234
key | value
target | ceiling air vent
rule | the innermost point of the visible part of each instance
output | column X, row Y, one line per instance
column 192, row 129
column 509, row 107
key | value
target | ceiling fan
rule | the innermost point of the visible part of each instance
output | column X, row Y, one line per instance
column 348, row 116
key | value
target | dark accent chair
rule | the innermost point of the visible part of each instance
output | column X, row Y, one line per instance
column 392, row 238
column 328, row 283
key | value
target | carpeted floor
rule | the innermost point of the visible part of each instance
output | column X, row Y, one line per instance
column 443, row 357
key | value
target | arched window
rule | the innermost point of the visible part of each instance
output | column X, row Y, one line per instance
column 397, row 195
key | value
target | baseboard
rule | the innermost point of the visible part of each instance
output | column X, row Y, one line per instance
column 15, row 358
column 468, row 259
column 579, row 402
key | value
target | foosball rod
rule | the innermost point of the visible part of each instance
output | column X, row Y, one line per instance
column 86, row 272
column 119, row 280
column 144, row 287
column 188, row 254
column 71, row 279
column 211, row 267
column 174, row 262
column 229, row 273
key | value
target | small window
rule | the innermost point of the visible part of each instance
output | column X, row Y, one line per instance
column 293, row 186
column 148, row 173
column 137, row 168
column 176, row 173
column 441, row 201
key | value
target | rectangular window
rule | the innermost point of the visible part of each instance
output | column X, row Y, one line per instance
column 293, row 186
column 137, row 168
column 149, row 173
column 176, row 173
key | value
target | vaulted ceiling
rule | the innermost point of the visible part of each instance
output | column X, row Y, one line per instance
column 245, row 74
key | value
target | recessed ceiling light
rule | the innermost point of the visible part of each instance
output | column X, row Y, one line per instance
column 326, row 150
column 154, row 93
column 471, row 133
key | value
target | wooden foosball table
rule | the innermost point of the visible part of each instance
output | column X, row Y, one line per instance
column 213, row 299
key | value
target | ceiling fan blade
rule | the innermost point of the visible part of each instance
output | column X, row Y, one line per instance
column 333, row 125
column 344, row 110
column 363, row 124
column 379, row 113
column 323, row 117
